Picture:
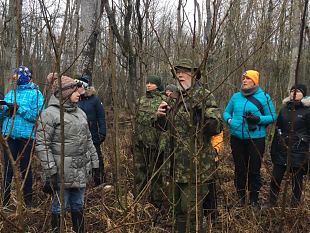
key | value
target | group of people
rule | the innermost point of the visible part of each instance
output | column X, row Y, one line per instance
column 30, row 126
column 176, row 142
column 178, row 134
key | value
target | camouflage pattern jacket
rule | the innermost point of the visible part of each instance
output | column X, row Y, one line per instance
column 191, row 122
column 144, row 132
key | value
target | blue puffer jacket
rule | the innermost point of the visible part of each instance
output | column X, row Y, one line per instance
column 29, row 100
column 94, row 109
column 239, row 105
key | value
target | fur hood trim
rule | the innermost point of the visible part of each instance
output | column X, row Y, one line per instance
column 305, row 101
column 90, row 91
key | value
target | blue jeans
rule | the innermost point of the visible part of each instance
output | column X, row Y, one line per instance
column 73, row 198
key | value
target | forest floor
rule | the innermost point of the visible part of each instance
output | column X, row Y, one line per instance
column 114, row 210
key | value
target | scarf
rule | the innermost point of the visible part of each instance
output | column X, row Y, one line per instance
column 249, row 91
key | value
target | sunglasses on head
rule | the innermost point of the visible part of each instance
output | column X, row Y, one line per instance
column 76, row 86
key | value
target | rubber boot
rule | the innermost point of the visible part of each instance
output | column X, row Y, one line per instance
column 28, row 201
column 78, row 221
column 55, row 223
column 242, row 197
column 254, row 199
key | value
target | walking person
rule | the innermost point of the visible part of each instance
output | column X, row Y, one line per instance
column 190, row 116
column 295, row 114
column 247, row 114
column 94, row 109
column 20, row 112
column 80, row 156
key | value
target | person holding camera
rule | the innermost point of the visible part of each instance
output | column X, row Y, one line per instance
column 247, row 114
column 80, row 156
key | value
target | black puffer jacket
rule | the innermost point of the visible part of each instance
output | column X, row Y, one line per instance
column 92, row 106
column 300, row 138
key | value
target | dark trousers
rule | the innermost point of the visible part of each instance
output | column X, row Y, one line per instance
column 275, row 184
column 210, row 201
column 101, row 164
column 247, row 155
column 21, row 149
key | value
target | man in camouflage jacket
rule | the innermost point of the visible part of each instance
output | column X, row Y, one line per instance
column 191, row 118
column 147, row 156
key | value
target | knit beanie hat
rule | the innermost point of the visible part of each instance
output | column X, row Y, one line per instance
column 301, row 87
column 171, row 87
column 155, row 80
column 24, row 75
column 85, row 78
column 68, row 86
column 51, row 80
column 252, row 74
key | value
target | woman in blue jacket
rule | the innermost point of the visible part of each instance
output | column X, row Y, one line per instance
column 248, row 113
column 22, row 112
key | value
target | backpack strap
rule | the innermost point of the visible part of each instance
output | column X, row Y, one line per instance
column 256, row 102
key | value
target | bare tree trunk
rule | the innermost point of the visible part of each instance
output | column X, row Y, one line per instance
column 126, row 46
column 179, row 28
column 90, row 15
column 295, row 27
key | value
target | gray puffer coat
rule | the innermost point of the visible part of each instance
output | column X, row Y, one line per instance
column 80, row 153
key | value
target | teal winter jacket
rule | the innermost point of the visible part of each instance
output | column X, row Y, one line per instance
column 236, row 108
column 29, row 100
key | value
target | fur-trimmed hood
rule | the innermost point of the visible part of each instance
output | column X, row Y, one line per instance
column 90, row 91
column 305, row 101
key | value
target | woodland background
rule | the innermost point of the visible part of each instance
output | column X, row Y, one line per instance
column 119, row 43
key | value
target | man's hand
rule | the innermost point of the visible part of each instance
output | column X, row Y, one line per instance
column 162, row 109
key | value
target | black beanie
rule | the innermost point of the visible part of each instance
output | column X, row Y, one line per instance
column 155, row 80
column 300, row 87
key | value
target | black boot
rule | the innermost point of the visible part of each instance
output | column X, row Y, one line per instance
column 181, row 226
column 28, row 201
column 78, row 221
column 254, row 199
column 55, row 222
column 242, row 197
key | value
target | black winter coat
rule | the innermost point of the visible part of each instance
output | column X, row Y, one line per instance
column 94, row 109
column 300, row 138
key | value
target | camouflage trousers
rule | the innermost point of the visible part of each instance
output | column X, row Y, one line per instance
column 148, row 177
column 186, row 204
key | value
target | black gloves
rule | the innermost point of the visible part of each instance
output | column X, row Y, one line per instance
column 96, row 176
column 10, row 110
column 101, row 138
column 252, row 120
column 51, row 184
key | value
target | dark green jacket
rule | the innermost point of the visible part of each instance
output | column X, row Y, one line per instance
column 193, row 118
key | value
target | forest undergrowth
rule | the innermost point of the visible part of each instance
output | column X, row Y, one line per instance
column 113, row 209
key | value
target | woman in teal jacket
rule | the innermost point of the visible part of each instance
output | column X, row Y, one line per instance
column 248, row 113
column 28, row 104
